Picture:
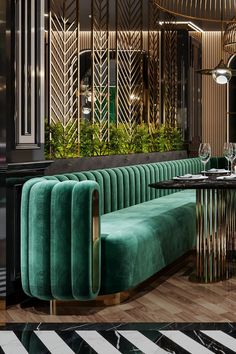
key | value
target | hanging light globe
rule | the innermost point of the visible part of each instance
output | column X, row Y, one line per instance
column 221, row 74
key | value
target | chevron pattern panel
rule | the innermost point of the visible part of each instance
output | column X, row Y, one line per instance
column 64, row 66
column 170, row 72
column 129, row 63
column 100, row 68
column 153, row 66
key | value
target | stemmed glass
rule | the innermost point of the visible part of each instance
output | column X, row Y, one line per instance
column 229, row 153
column 234, row 157
column 204, row 153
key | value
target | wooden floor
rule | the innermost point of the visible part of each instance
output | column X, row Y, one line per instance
column 170, row 297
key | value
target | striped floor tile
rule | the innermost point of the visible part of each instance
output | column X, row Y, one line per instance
column 2, row 282
column 117, row 341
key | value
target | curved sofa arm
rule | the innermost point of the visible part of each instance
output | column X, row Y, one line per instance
column 60, row 239
column 85, row 242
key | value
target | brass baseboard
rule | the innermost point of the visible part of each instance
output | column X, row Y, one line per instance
column 2, row 305
column 101, row 300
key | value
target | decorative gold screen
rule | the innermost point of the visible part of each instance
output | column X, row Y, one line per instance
column 136, row 94
column 64, row 66
column 100, row 67
column 170, row 74
column 154, row 81
column 129, row 63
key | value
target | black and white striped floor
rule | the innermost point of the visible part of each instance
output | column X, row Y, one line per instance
column 2, row 282
column 75, row 339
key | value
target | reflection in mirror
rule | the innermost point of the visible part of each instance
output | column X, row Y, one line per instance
column 86, row 84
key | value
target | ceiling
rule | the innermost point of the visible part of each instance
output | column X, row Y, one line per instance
column 85, row 16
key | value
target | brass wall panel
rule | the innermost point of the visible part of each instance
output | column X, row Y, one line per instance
column 214, row 117
column 64, row 65
column 129, row 47
column 85, row 40
column 153, row 66
column 100, row 67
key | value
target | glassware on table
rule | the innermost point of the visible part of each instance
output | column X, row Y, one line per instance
column 233, row 158
column 229, row 154
column 204, row 153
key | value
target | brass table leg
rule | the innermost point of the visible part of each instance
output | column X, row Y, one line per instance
column 215, row 222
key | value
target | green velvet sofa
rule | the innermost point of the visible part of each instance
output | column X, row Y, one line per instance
column 104, row 231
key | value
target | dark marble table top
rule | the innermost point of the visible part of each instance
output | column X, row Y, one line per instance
column 209, row 183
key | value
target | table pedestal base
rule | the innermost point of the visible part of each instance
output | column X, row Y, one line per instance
column 215, row 215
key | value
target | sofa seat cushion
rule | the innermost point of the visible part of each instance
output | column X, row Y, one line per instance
column 146, row 237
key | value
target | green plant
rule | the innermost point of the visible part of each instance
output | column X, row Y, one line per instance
column 153, row 132
column 141, row 139
column 90, row 142
column 119, row 140
column 169, row 138
column 60, row 142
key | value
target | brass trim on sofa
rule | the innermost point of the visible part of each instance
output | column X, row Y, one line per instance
column 101, row 300
column 95, row 241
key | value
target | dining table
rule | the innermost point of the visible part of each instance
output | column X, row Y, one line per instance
column 215, row 222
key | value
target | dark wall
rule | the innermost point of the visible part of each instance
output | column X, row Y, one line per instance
column 16, row 162
column 15, row 151
column 3, row 119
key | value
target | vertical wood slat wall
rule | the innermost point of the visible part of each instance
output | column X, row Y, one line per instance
column 214, row 112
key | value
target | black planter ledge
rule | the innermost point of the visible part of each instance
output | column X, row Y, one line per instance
column 99, row 162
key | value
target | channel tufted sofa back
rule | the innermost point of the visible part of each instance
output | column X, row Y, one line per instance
column 123, row 187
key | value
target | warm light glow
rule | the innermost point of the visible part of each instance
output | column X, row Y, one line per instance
column 221, row 76
column 89, row 96
column 86, row 110
column 133, row 97
column 188, row 23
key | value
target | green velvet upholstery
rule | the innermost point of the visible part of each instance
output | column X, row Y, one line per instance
column 56, row 239
column 142, row 229
column 140, row 240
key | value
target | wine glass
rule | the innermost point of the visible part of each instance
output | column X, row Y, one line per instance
column 229, row 153
column 234, row 157
column 204, row 153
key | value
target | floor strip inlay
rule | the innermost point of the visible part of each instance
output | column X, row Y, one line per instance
column 53, row 342
column 97, row 342
column 10, row 344
column 142, row 342
column 222, row 338
column 186, row 342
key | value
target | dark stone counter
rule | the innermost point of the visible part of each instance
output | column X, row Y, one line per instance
column 210, row 183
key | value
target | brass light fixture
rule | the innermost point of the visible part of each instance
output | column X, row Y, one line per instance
column 208, row 11
column 221, row 74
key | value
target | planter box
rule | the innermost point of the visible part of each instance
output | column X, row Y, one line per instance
column 98, row 162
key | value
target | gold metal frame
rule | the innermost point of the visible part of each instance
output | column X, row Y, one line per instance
column 100, row 67
column 95, row 242
column 154, row 87
column 207, row 10
column 215, row 222
column 129, row 49
column 64, row 65
column 170, row 76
